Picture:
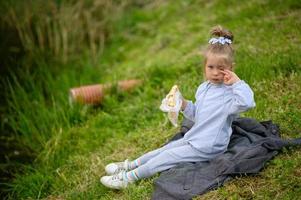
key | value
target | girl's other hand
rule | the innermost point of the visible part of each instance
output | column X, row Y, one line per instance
column 229, row 77
column 184, row 102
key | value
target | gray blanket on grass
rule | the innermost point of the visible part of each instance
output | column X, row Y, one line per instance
column 252, row 144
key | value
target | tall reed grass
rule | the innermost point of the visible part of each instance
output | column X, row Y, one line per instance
column 63, row 29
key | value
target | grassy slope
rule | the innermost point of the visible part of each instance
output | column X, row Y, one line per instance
column 161, row 44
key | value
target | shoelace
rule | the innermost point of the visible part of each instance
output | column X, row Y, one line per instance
column 118, row 170
column 116, row 176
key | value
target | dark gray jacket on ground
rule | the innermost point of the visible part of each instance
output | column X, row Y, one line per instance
column 252, row 144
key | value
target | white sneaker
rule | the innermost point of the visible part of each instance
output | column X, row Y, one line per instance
column 116, row 181
column 115, row 168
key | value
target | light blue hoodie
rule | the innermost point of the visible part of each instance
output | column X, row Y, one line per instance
column 215, row 108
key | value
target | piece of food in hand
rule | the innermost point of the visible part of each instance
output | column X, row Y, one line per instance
column 171, row 97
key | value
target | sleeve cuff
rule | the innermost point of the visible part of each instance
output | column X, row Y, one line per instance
column 238, row 83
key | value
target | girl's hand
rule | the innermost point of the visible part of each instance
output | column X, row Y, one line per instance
column 229, row 77
column 184, row 104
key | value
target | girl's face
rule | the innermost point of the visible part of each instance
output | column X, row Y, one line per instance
column 213, row 67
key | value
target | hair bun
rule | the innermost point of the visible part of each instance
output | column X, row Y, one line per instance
column 219, row 31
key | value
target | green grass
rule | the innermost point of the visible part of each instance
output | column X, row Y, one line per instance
column 160, row 43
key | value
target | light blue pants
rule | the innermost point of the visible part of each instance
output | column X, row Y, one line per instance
column 167, row 157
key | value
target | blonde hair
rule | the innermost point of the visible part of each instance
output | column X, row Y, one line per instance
column 225, row 50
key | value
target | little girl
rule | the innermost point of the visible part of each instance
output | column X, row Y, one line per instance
column 218, row 101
